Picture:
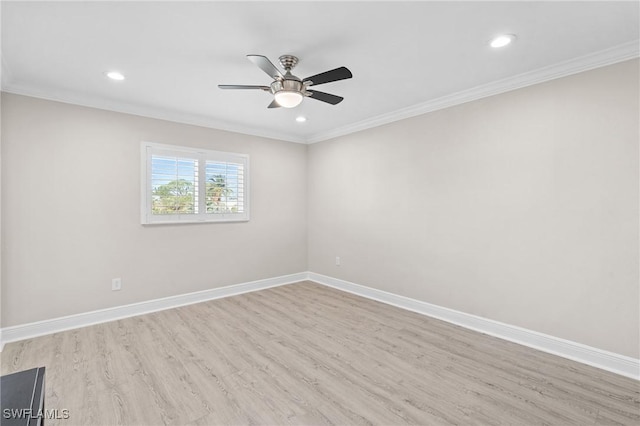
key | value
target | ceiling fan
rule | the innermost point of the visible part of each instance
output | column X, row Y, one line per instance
column 289, row 90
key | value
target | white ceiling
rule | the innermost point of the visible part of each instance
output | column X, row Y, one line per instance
column 406, row 57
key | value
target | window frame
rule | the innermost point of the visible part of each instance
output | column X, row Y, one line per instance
column 148, row 149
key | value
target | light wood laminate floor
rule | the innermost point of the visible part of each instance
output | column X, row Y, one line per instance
column 308, row 354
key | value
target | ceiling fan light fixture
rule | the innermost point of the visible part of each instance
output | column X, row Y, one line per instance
column 288, row 98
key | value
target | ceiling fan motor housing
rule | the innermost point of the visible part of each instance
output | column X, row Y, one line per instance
column 289, row 85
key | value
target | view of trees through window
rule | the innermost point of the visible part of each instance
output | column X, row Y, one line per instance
column 175, row 186
column 176, row 197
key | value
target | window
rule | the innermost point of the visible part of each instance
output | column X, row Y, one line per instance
column 181, row 184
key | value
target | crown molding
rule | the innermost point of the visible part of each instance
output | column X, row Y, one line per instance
column 143, row 111
column 620, row 53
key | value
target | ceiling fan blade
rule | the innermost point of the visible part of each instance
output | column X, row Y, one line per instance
column 341, row 73
column 325, row 97
column 266, row 65
column 274, row 104
column 236, row 86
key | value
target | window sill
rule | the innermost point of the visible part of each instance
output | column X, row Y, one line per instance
column 192, row 222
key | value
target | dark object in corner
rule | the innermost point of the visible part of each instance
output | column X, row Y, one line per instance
column 22, row 398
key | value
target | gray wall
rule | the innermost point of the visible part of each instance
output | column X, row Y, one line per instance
column 71, row 213
column 522, row 207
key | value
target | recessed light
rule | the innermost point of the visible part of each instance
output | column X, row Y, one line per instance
column 115, row 75
column 502, row 40
column 301, row 119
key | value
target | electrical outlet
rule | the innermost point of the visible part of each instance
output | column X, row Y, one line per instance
column 116, row 284
column 337, row 260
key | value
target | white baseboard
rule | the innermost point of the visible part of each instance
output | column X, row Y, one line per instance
column 616, row 363
column 40, row 328
column 610, row 361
